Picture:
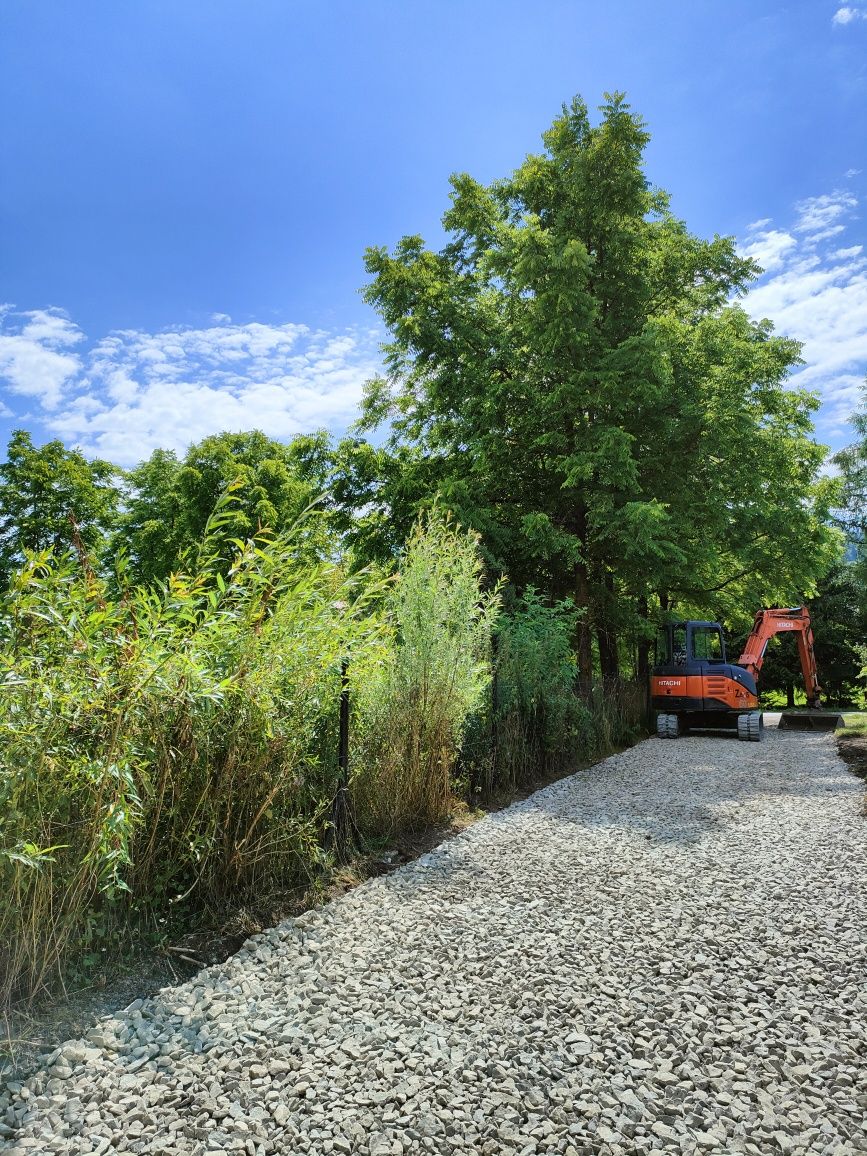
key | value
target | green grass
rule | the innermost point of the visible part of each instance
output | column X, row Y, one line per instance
column 776, row 699
column 856, row 722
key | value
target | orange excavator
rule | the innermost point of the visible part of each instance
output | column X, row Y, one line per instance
column 693, row 686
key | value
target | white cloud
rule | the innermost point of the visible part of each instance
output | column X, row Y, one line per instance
column 769, row 248
column 34, row 357
column 134, row 391
column 819, row 217
column 847, row 14
column 817, row 294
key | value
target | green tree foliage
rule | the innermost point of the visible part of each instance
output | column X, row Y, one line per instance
column 50, row 495
column 851, row 516
column 852, row 499
column 537, row 717
column 573, row 372
column 373, row 497
column 170, row 500
column 152, row 529
column 839, row 615
column 852, row 463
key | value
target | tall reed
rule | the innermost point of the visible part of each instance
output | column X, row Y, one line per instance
column 156, row 742
column 414, row 706
column 177, row 743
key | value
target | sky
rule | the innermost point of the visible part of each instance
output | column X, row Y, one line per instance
column 187, row 187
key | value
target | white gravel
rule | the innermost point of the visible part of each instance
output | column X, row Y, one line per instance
column 665, row 953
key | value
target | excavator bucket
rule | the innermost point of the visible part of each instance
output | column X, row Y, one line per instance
column 813, row 720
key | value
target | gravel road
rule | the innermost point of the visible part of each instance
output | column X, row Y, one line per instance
column 665, row 953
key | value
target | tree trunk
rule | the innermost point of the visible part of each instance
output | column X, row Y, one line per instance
column 583, row 641
column 642, row 670
column 790, row 696
column 608, row 659
column 583, row 644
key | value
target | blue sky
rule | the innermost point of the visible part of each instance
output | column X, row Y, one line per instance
column 187, row 187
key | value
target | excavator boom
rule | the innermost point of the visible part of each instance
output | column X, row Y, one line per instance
column 795, row 620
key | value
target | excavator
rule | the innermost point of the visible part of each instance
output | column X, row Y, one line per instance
column 694, row 686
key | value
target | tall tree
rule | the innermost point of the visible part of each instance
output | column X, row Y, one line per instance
column 170, row 500
column 48, row 496
column 373, row 495
column 572, row 367
column 152, row 530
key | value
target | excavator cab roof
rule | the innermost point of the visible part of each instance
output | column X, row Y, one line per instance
column 693, row 622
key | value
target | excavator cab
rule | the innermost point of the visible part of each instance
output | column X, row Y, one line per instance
column 682, row 644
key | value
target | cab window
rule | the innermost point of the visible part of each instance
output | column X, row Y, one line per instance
column 678, row 648
column 662, row 654
column 707, row 643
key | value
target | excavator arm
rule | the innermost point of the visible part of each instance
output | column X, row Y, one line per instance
column 796, row 621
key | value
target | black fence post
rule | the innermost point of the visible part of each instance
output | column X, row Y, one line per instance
column 343, row 746
column 342, row 820
column 495, row 706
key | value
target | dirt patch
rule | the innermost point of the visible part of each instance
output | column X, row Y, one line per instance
column 853, row 750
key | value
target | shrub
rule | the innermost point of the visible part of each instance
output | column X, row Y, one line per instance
column 535, row 723
column 537, row 717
